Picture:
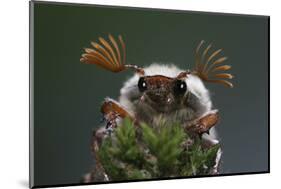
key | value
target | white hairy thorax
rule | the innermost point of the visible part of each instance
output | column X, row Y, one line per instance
column 200, row 98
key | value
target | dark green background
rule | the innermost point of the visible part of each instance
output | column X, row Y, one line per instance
column 68, row 94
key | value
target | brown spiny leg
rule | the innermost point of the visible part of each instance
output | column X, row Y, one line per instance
column 112, row 111
column 204, row 124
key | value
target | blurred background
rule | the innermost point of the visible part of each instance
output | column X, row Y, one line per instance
column 68, row 94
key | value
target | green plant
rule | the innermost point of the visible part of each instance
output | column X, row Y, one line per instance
column 144, row 152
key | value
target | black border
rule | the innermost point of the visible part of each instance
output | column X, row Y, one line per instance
column 31, row 95
column 148, row 180
column 31, row 110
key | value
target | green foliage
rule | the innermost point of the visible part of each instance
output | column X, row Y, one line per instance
column 145, row 152
column 164, row 145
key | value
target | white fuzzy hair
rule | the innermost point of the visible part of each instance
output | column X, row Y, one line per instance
column 160, row 69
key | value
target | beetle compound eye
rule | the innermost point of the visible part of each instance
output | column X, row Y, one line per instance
column 180, row 87
column 142, row 84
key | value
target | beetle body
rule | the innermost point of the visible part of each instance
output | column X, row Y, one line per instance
column 160, row 93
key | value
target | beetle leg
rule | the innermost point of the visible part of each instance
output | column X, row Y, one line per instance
column 205, row 123
column 110, row 106
column 112, row 111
